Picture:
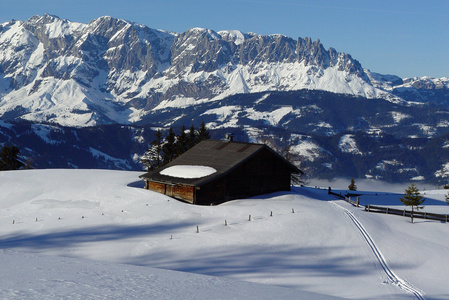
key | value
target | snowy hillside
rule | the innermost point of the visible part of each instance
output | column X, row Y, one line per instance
column 116, row 71
column 311, row 243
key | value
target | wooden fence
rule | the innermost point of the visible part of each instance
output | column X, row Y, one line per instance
column 344, row 197
column 355, row 203
column 393, row 211
column 406, row 213
column 329, row 192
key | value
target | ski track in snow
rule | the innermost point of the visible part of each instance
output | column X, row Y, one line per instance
column 396, row 280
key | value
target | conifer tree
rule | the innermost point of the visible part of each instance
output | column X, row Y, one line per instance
column 352, row 186
column 181, row 142
column 169, row 148
column 203, row 133
column 9, row 158
column 152, row 158
column 412, row 198
column 191, row 138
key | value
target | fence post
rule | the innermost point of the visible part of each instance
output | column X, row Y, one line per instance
column 358, row 201
column 403, row 213
column 386, row 211
column 368, row 207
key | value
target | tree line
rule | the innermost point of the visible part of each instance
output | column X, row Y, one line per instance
column 163, row 150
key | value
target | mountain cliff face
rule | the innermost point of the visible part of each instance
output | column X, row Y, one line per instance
column 115, row 71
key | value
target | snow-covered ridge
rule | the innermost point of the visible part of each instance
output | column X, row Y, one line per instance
column 119, row 70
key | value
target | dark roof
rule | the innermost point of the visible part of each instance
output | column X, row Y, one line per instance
column 223, row 156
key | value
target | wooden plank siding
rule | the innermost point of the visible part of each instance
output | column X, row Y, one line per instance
column 181, row 192
column 155, row 186
column 184, row 192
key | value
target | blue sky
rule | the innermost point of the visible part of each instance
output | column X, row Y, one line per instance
column 406, row 38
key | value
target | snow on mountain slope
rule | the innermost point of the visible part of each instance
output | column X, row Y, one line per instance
column 398, row 117
column 347, row 144
column 443, row 172
column 305, row 148
column 116, row 71
column 106, row 216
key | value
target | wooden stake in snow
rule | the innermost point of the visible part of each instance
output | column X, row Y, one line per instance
column 197, row 229
column 36, row 219
column 249, row 218
column 226, row 223
column 13, row 221
column 293, row 211
column 171, row 237
column 271, row 214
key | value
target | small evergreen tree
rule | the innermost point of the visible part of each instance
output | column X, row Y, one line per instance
column 152, row 158
column 182, row 142
column 9, row 158
column 352, row 186
column 203, row 132
column 412, row 198
column 192, row 138
column 169, row 148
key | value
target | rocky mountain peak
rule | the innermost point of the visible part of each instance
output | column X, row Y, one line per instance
column 235, row 36
column 44, row 19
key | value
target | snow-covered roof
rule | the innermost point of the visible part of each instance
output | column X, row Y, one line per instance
column 187, row 171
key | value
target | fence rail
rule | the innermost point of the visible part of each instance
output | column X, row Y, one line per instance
column 355, row 203
column 329, row 191
column 406, row 213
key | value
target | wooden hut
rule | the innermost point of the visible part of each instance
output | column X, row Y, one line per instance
column 215, row 171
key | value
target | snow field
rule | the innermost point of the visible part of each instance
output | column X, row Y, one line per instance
column 318, row 248
column 49, row 277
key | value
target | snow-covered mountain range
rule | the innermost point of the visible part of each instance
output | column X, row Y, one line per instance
column 115, row 71
column 337, row 118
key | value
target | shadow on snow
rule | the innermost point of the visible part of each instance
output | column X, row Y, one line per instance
column 249, row 262
column 70, row 238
